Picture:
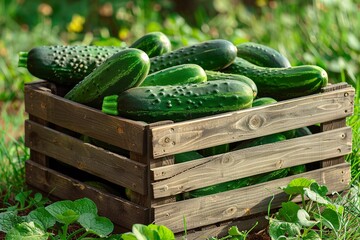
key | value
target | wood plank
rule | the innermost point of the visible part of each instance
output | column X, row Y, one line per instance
column 91, row 122
column 35, row 155
column 242, row 202
column 250, row 161
column 250, row 123
column 97, row 161
column 118, row 210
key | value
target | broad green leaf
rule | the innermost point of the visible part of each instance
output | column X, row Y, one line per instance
column 297, row 185
column 85, row 205
column 304, row 218
column 63, row 211
column 100, row 226
column 163, row 232
column 128, row 236
column 283, row 230
column 234, row 231
column 288, row 212
column 22, row 197
column 319, row 189
column 329, row 218
column 314, row 196
column 41, row 218
column 27, row 231
column 139, row 231
column 8, row 220
column 311, row 235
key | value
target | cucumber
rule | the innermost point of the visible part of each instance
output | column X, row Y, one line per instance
column 179, row 74
column 216, row 75
column 179, row 102
column 65, row 65
column 263, row 101
column 211, row 151
column 262, row 55
column 281, row 83
column 210, row 55
column 123, row 70
column 153, row 44
column 276, row 137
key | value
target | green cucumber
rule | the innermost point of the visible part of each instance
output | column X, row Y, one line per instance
column 276, row 137
column 210, row 55
column 211, row 151
column 281, row 83
column 179, row 102
column 187, row 156
column 123, row 70
column 65, row 65
column 216, row 75
column 153, row 44
column 262, row 55
column 179, row 74
column 304, row 131
column 263, row 101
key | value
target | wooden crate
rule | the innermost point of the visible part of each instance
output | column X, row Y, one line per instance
column 61, row 164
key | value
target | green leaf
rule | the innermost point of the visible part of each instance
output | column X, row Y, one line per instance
column 41, row 218
column 100, row 226
column 163, row 232
column 139, row 231
column 304, row 218
column 85, row 205
column 63, row 211
column 8, row 220
column 329, row 218
column 22, row 197
column 314, row 196
column 234, row 231
column 27, row 231
column 283, row 230
column 297, row 185
column 319, row 189
column 288, row 212
column 128, row 236
column 311, row 235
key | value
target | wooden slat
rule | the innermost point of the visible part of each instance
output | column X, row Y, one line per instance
column 118, row 210
column 91, row 122
column 250, row 161
column 241, row 202
column 97, row 161
column 253, row 122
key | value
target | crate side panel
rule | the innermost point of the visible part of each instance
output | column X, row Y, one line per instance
column 242, row 202
column 91, row 122
column 97, row 161
column 250, row 123
column 251, row 161
column 120, row 211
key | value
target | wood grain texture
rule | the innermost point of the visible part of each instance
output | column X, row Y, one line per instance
column 118, row 210
column 250, row 123
column 97, row 161
column 191, row 175
column 242, row 202
column 91, row 122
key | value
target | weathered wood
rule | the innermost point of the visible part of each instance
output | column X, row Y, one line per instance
column 97, row 161
column 91, row 122
column 244, row 201
column 250, row 161
column 253, row 122
column 118, row 210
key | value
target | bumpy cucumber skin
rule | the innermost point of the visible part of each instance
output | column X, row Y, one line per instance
column 216, row 75
column 179, row 102
column 262, row 55
column 281, row 83
column 65, row 65
column 153, row 44
column 123, row 70
column 210, row 55
column 179, row 74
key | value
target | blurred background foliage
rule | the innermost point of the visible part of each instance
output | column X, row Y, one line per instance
column 320, row 32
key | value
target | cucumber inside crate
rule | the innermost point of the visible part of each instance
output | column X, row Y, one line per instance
column 149, row 169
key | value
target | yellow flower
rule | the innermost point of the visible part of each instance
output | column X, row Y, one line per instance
column 261, row 3
column 77, row 23
column 123, row 33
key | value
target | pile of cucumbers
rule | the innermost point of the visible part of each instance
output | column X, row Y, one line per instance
column 149, row 81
